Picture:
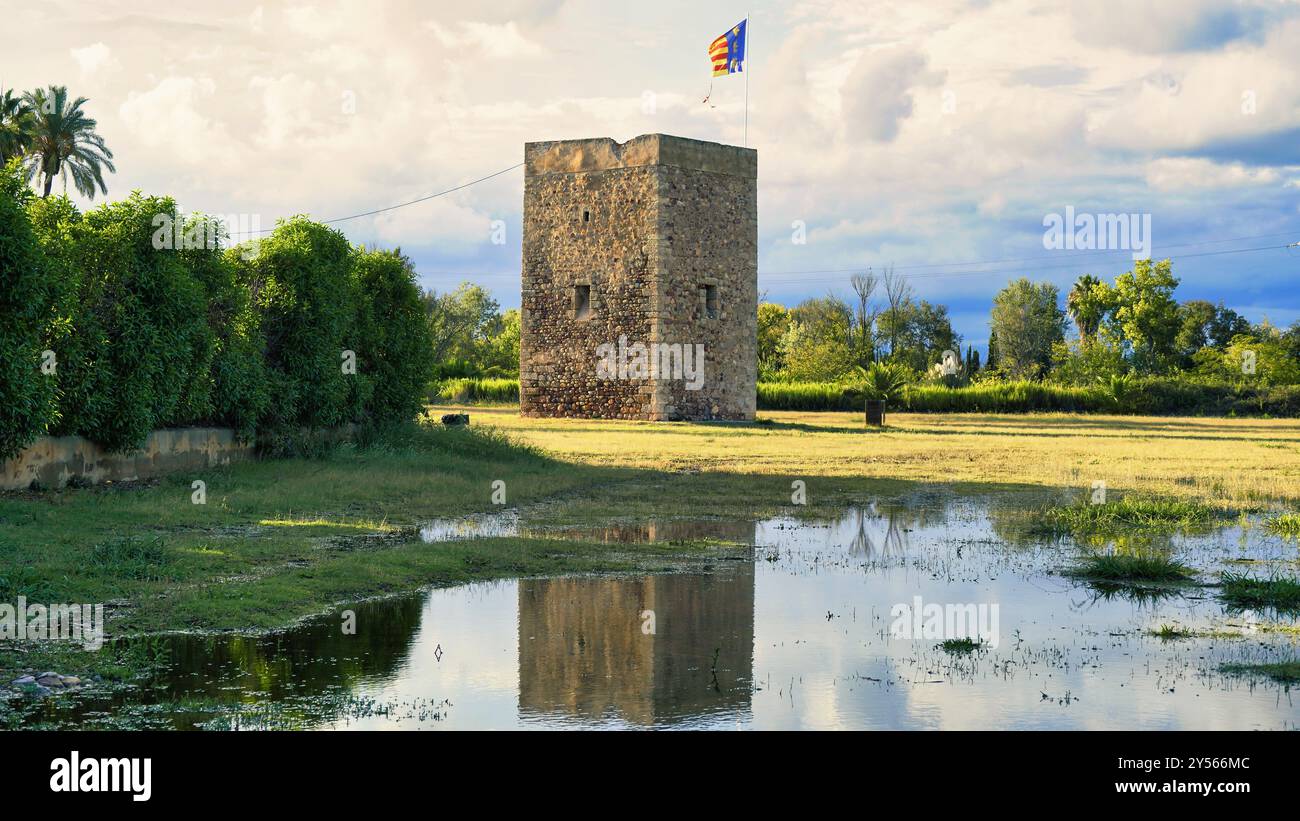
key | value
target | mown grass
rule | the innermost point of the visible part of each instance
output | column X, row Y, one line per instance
column 1224, row 463
column 1285, row 672
column 1127, row 569
column 1278, row 593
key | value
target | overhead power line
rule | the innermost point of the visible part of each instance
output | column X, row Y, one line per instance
column 410, row 202
column 921, row 270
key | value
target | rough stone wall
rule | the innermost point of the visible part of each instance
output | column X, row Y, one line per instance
column 646, row 225
column 53, row 461
column 709, row 226
column 593, row 229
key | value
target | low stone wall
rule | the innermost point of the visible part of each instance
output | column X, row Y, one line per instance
column 53, row 461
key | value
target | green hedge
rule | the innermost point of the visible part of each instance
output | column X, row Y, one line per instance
column 1156, row 397
column 399, row 351
column 26, row 394
column 476, row 390
column 148, row 336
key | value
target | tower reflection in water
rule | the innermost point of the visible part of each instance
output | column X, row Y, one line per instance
column 587, row 653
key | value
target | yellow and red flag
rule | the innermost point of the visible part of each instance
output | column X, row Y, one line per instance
column 727, row 53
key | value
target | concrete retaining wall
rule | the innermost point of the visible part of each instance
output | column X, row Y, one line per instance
column 52, row 461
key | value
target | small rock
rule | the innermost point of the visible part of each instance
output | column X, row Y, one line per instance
column 455, row 419
column 50, row 681
column 71, row 681
column 50, row 674
column 23, row 681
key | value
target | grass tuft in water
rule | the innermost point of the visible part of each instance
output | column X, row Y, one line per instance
column 1172, row 632
column 1129, row 513
column 1279, row 593
column 1127, row 569
column 966, row 645
column 1287, row 524
column 1285, row 672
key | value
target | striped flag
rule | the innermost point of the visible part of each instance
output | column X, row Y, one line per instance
column 727, row 53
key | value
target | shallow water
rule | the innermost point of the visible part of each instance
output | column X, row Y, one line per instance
column 799, row 635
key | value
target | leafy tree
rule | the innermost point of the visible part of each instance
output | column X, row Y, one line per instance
column 460, row 321
column 773, row 322
column 920, row 332
column 1259, row 358
column 1028, row 322
column 394, row 340
column 63, row 141
column 1146, row 315
column 1087, row 362
column 814, row 353
column 306, row 300
column 498, row 353
column 15, row 126
column 1203, row 324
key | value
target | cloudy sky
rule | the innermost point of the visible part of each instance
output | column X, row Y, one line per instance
column 931, row 136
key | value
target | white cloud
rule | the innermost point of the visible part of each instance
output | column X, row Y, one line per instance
column 878, row 93
column 172, row 117
column 1191, row 173
column 502, row 41
column 94, row 59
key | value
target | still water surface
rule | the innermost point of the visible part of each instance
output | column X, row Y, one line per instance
column 796, row 635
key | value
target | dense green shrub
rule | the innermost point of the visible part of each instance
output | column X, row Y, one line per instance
column 395, row 346
column 129, row 325
column 304, row 294
column 235, row 387
column 26, row 394
column 149, row 333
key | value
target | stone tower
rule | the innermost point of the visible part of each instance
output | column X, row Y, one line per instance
column 640, row 279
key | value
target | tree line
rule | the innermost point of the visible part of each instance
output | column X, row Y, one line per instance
column 1131, row 327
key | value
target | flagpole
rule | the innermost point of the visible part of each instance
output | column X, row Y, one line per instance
column 748, row 53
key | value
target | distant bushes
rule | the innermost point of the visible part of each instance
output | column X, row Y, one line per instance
column 1004, row 397
column 807, row 396
column 477, row 390
column 302, row 332
column 1152, row 396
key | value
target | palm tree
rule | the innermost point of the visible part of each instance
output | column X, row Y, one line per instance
column 15, row 122
column 1087, row 306
column 63, row 142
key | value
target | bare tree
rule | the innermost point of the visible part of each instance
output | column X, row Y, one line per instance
column 897, row 292
column 864, row 285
